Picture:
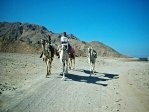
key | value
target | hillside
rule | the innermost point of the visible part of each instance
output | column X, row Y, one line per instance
column 25, row 38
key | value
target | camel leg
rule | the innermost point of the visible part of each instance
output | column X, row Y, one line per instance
column 63, row 78
column 90, row 65
column 69, row 63
column 41, row 55
column 94, row 69
column 48, row 68
column 91, row 68
column 66, row 67
column 73, row 63
column 47, row 72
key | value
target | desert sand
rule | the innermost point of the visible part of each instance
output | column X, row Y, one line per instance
column 119, row 85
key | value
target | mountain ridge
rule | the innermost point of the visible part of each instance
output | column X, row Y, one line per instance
column 25, row 38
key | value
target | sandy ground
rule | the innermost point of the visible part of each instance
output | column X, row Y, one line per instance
column 120, row 85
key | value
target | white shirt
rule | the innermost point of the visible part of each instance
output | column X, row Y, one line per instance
column 64, row 39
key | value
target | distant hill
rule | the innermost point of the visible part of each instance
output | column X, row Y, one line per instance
column 25, row 38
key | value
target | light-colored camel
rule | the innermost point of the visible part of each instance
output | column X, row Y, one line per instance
column 47, row 55
column 71, row 51
column 64, row 58
column 92, row 55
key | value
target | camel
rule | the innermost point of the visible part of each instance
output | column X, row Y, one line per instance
column 92, row 55
column 72, row 58
column 71, row 61
column 64, row 58
column 47, row 55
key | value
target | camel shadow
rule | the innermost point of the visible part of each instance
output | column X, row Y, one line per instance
column 111, row 76
column 86, row 79
column 88, row 71
column 108, row 75
column 93, row 79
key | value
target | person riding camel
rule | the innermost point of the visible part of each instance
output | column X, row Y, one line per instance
column 49, row 39
column 65, row 41
column 51, row 47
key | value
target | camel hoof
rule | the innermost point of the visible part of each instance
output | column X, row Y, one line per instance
column 61, row 73
column 47, row 76
column 63, row 79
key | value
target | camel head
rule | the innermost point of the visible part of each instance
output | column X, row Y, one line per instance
column 90, row 49
column 64, row 48
column 42, row 42
column 45, row 44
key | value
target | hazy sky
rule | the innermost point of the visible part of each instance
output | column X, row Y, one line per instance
column 120, row 24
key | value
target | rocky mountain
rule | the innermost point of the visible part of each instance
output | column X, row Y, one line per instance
column 25, row 38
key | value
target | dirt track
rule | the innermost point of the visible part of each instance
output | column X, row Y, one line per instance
column 119, row 85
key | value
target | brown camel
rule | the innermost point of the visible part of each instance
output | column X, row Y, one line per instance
column 72, row 58
column 47, row 55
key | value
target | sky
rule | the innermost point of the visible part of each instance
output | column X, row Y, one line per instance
column 120, row 24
